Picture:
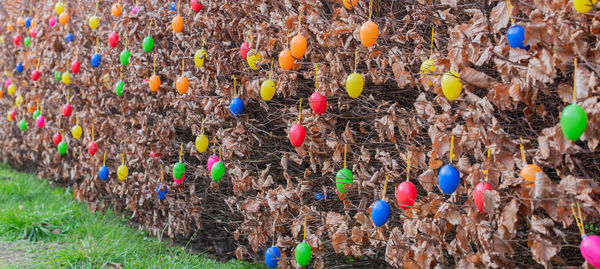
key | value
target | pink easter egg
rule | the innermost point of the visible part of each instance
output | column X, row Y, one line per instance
column 7, row 83
column 135, row 10
column 212, row 160
column 52, row 21
column 178, row 181
column 590, row 249
column 40, row 121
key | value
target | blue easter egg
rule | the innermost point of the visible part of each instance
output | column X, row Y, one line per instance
column 162, row 191
column 103, row 172
column 272, row 256
column 516, row 36
column 174, row 6
column 237, row 106
column 96, row 59
column 448, row 177
column 27, row 21
column 69, row 38
column 319, row 196
column 19, row 68
column 380, row 212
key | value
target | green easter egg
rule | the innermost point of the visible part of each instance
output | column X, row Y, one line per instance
column 62, row 148
column 23, row 125
column 148, row 44
column 343, row 180
column 573, row 122
column 303, row 253
column 119, row 88
column 58, row 76
column 178, row 170
column 217, row 171
column 36, row 114
column 125, row 54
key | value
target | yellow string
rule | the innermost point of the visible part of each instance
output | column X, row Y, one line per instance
column 487, row 171
column 575, row 82
column 41, row 108
column 522, row 152
column 37, row 66
column 300, row 111
column 287, row 38
column 150, row 27
column 154, row 66
column 123, row 158
column 316, row 78
column 178, row 7
column 509, row 6
column 68, row 96
column 96, row 44
column 578, row 219
column 104, row 159
column 385, row 186
column 121, row 75
column 203, row 41
column 126, row 43
column 30, row 6
column 345, row 151
column 180, row 151
column 274, row 230
column 92, row 131
column 451, row 148
column 76, row 120
column 182, row 66
column 355, row 60
column 271, row 74
column 304, row 228
column 431, row 50
column 114, row 26
column 234, row 86
column 96, row 11
column 219, row 153
column 370, row 9
column 299, row 21
column 161, row 173
column 407, row 165
column 202, row 126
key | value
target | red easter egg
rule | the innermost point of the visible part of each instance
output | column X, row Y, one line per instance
column 17, row 40
column 478, row 195
column 35, row 75
column 297, row 135
column 196, row 6
column 32, row 32
column 318, row 103
column 13, row 115
column 406, row 194
column 75, row 67
column 92, row 148
column 57, row 138
column 244, row 49
column 113, row 39
column 67, row 109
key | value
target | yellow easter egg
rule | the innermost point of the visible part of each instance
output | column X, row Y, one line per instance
column 427, row 67
column 8, row 116
column 451, row 85
column 201, row 143
column 19, row 100
column 122, row 172
column 12, row 89
column 583, row 6
column 76, row 131
column 94, row 21
column 354, row 85
column 252, row 59
column 59, row 7
column 2, row 38
column 267, row 90
column 66, row 78
column 199, row 57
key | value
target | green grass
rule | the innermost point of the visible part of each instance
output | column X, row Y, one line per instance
column 68, row 235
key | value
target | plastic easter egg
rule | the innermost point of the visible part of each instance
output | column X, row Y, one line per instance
column 478, row 195
column 217, row 171
column 62, row 148
column 103, row 173
column 267, row 90
column 528, row 172
column 75, row 66
column 66, row 78
column 179, row 181
column 76, row 131
column 178, row 170
column 1, row 93
column 211, row 161
column 244, row 49
column 173, row 7
column 113, row 39
column 92, row 148
column 19, row 101
column 63, row 18
column 350, row 4
column 57, row 76
column 161, row 192
column 96, row 60
column 69, row 38
column 13, row 115
column 119, row 88
column 7, row 83
column 516, row 36
column 354, row 85
column 59, row 7
column 590, row 249
column 32, row 33
column 199, row 57
column 297, row 135
column 286, row 60
column 23, row 125
column 368, row 33
column 31, row 109
column 56, row 138
column 148, row 44
column 177, row 24
column 303, row 253
column 2, row 38
column 236, row 107
column 52, row 21
column 124, row 57
column 451, row 85
column 28, row 22
column 196, row 6
column 19, row 68
column 135, row 10
column 20, row 21
column 122, row 172
column 380, row 212
column 253, row 59
column 35, row 75
column 427, row 67
column 318, row 103
column 93, row 22
column 8, row 117
column 343, row 180
column 298, row 46
column 448, row 178
column 67, row 109
column 573, row 121
column 40, row 121
column 12, row 89
column 9, row 27
column 116, row 9
column 154, row 83
column 182, row 84
column 17, row 40
column 201, row 143
column 272, row 255
column 406, row 194
column 584, row 6
column 27, row 42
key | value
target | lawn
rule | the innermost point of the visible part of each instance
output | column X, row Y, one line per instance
column 41, row 226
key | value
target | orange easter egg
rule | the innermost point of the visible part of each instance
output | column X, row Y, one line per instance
column 286, row 60
column 298, row 46
column 20, row 22
column 182, row 85
column 154, row 83
column 31, row 108
column 177, row 24
column 10, row 27
column 116, row 9
column 63, row 18
column 368, row 33
column 528, row 172
column 350, row 4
